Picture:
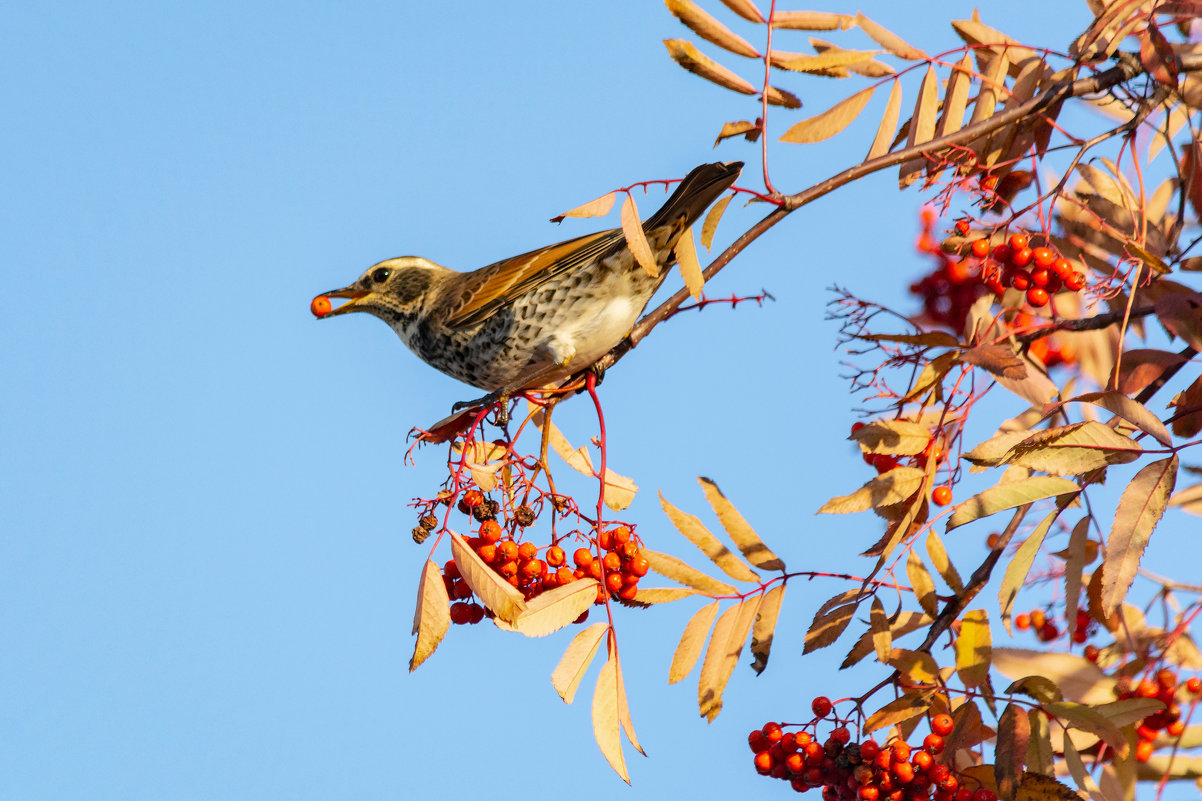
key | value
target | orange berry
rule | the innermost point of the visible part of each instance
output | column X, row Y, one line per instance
column 612, row 561
column 1018, row 242
column 507, row 550
column 1021, row 257
column 582, row 557
column 639, row 566
column 565, row 576
column 527, row 550
column 1143, row 751
column 628, row 592
column 533, row 568
column 594, row 569
column 942, row 496
column 487, row 552
column 1194, row 685
column 621, row 534
column 932, row 744
column 1044, row 257
column 1020, row 279
column 1038, row 618
column 613, row 582
column 606, row 540
column 490, row 531
column 1074, row 281
column 508, row 569
column 963, row 227
column 1176, row 728
column 628, row 550
column 980, row 248
column 1037, row 296
column 1040, row 277
column 556, row 556
column 901, row 750
column 1062, row 267
column 763, row 762
column 320, row 306
column 1091, row 653
column 941, row 724
column 903, row 771
column 922, row 760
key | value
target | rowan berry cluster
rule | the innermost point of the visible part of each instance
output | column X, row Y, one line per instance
column 865, row 770
column 533, row 570
column 951, row 288
column 1046, row 629
column 1163, row 686
column 1038, row 271
column 884, row 462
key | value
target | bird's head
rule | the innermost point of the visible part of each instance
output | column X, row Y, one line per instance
column 395, row 290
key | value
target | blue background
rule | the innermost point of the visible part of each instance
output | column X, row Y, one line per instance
column 206, row 574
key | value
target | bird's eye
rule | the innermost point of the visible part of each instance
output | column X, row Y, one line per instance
column 380, row 275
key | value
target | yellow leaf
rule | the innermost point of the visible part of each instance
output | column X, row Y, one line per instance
column 889, row 40
column 730, row 129
column 594, row 208
column 690, row 268
column 606, row 717
column 695, row 532
column 745, row 9
column 709, row 28
column 691, row 639
column 812, row 20
column 943, row 564
column 726, row 644
column 887, row 130
column 899, row 437
column 922, row 126
column 711, row 221
column 910, row 705
column 636, row 240
column 828, row 626
column 738, row 529
column 432, row 617
column 830, row 122
column 882, row 639
column 1013, row 734
column 662, row 595
column 575, row 661
column 1020, row 565
column 689, row 57
column 955, row 100
column 764, row 630
column 495, row 592
column 920, row 581
column 974, row 648
column 801, row 62
column 1140, row 509
column 550, row 611
column 623, row 706
column 675, row 569
column 1008, row 496
column 886, row 489
column 914, row 666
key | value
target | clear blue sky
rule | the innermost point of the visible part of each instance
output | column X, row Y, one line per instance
column 206, row 574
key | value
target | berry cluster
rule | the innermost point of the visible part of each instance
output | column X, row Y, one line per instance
column 884, row 462
column 618, row 569
column 1162, row 686
column 1046, row 629
column 1038, row 271
column 951, row 288
column 866, row 771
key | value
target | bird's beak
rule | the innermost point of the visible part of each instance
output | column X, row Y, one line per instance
column 350, row 294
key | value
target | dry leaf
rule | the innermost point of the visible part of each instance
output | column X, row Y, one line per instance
column 636, row 240
column 726, row 644
column 689, row 57
column 826, row 627
column 764, row 630
column 575, row 661
column 550, row 611
column 675, row 569
column 882, row 638
column 1008, row 496
column 738, row 529
column 889, row 40
column 662, row 595
column 696, row 532
column 594, row 208
column 898, row 437
column 745, row 9
column 1075, row 449
column 1143, row 502
column 709, row 28
column 886, row 489
column 712, row 218
column 745, row 127
column 606, row 724
column 910, row 705
column 1013, row 735
column 493, row 591
column 942, row 563
column 923, row 586
column 830, row 122
column 690, row 268
column 922, row 126
column 691, row 640
column 823, row 62
column 432, row 617
column 888, row 127
column 1020, row 565
column 974, row 648
column 1078, row 678
column 812, row 20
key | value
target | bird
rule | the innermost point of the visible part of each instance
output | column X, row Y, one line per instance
column 530, row 321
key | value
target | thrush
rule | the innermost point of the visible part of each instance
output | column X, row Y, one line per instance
column 532, row 320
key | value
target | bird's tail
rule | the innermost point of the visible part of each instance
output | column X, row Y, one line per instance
column 693, row 196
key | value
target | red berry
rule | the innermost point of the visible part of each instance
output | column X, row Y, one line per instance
column 758, row 741
column 869, row 793
column 942, row 496
column 841, row 734
column 1048, row 631
column 1062, row 267
column 821, row 706
column 320, row 306
column 555, row 556
column 980, row 248
column 1021, row 257
column 1146, row 689
column 1166, row 678
column 613, row 581
column 460, row 613
column 1194, row 685
column 1001, row 253
column 1091, row 653
column 901, row 750
column 1176, row 728
column 1074, row 281
column 1044, row 257
column 1040, row 276
column 903, row 771
column 941, row 724
column 922, row 760
column 1037, row 296
column 869, row 749
column 962, row 227
column 763, row 762
column 612, row 561
column 1018, row 242
column 606, row 540
column 1143, row 751
column 932, row 744
column 984, row 794
column 490, row 531
column 639, row 566
column 582, row 557
column 1020, row 279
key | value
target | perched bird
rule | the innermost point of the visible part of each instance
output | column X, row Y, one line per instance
column 532, row 320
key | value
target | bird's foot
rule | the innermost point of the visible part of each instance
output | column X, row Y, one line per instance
column 500, row 399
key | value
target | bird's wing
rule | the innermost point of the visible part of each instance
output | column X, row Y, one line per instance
column 490, row 288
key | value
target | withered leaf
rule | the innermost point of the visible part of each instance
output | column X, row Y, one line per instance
column 594, row 208
column 1039, row 744
column 1016, row 572
column 575, row 661
column 955, row 100
column 942, row 563
column 822, row 62
column 1130, row 410
column 1041, row 688
column 688, row 56
column 662, row 595
column 826, row 627
column 923, row 586
column 745, row 127
column 688, row 650
column 636, row 240
column 910, row 705
column 830, row 122
column 882, row 638
column 925, row 339
column 1086, row 718
column 1009, row 496
column 552, row 610
column 764, row 630
column 432, row 617
column 606, row 717
column 1140, row 509
column 696, row 532
column 1078, row 678
column 745, row 9
column 779, row 97
column 889, row 40
column 906, row 623
column 1074, row 449
column 686, row 260
column 712, row 217
column 915, row 667
column 812, row 20
column 997, row 359
column 1074, row 563
column 675, row 569
column 885, row 133
column 738, row 529
column 901, row 437
column 708, row 28
column 922, row 126
column 726, row 644
column 1013, row 735
column 495, row 592
column 886, row 489
column 974, row 648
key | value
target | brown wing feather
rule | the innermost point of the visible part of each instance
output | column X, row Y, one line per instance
column 495, row 286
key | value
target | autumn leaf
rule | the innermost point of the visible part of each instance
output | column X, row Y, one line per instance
column 686, row 262
column 606, row 723
column 1009, row 496
column 495, row 592
column 1040, row 757
column 997, row 359
column 1086, row 718
column 696, row 532
column 688, row 56
column 1013, row 735
column 675, row 569
column 974, row 650
column 800, row 62
column 726, row 644
column 914, row 667
column 830, row 122
column 906, row 623
column 663, row 595
column 1020, row 565
column 921, row 583
column 922, row 126
column 432, row 617
column 712, row 217
column 887, row 129
column 942, row 563
column 899, row 437
column 748, row 129
column 594, row 208
column 889, row 40
column 812, row 20
column 886, row 489
column 636, row 240
column 709, row 28
column 1079, row 679
column 688, row 650
column 764, row 630
column 1140, row 508
column 910, row 705
column 575, row 661
column 550, row 611
column 738, row 529
column 745, row 9
column 826, row 627
column 882, row 638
